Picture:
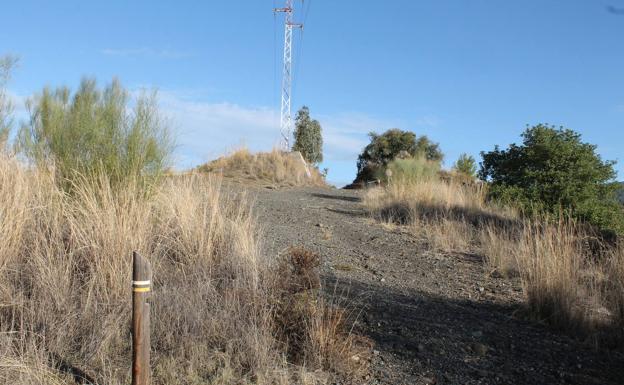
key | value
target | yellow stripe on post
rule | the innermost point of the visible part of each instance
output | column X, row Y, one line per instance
column 140, row 289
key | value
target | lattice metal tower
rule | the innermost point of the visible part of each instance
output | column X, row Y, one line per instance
column 285, row 117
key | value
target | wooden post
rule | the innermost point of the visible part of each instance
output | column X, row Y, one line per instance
column 141, row 285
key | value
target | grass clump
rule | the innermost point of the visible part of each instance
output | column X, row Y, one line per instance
column 409, row 171
column 276, row 168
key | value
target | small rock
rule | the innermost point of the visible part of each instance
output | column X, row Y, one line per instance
column 496, row 274
column 481, row 289
column 376, row 352
column 355, row 358
column 477, row 334
column 479, row 349
column 383, row 280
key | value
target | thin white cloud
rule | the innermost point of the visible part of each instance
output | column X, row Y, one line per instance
column 146, row 52
column 346, row 134
column 428, row 121
column 206, row 130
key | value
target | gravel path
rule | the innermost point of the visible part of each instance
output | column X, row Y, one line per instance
column 435, row 319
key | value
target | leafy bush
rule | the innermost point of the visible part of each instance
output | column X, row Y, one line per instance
column 308, row 137
column 392, row 144
column 554, row 171
column 466, row 165
column 93, row 132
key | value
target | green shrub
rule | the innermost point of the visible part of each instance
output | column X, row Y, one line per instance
column 308, row 137
column 410, row 170
column 95, row 132
column 554, row 171
column 391, row 144
column 466, row 165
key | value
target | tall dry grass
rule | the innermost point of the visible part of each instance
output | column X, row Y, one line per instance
column 572, row 279
column 444, row 213
column 276, row 168
column 64, row 283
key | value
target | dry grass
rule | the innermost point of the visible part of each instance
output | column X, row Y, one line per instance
column 446, row 214
column 65, row 273
column 276, row 168
column 314, row 331
column 571, row 279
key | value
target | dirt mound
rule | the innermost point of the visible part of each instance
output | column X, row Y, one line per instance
column 275, row 169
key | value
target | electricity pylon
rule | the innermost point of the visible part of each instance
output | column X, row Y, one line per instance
column 285, row 117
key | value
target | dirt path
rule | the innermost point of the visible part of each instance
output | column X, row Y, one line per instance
column 434, row 318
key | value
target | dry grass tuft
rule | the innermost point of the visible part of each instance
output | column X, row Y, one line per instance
column 64, row 284
column 277, row 168
column 571, row 279
column 315, row 332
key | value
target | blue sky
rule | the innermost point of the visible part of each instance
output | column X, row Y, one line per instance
column 469, row 74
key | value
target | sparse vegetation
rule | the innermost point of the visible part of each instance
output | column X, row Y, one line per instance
column 308, row 137
column 571, row 278
column 276, row 168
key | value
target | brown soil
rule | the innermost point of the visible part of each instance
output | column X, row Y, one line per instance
column 434, row 318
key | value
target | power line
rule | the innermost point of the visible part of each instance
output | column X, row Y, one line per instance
column 297, row 71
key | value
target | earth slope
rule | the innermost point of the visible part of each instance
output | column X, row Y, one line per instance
column 433, row 318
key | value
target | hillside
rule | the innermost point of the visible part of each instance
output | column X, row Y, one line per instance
column 433, row 317
column 620, row 193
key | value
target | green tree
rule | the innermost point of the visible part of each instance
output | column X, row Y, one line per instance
column 466, row 165
column 393, row 143
column 7, row 63
column 308, row 137
column 553, row 170
column 95, row 131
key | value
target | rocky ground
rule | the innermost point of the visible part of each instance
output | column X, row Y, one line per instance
column 434, row 319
